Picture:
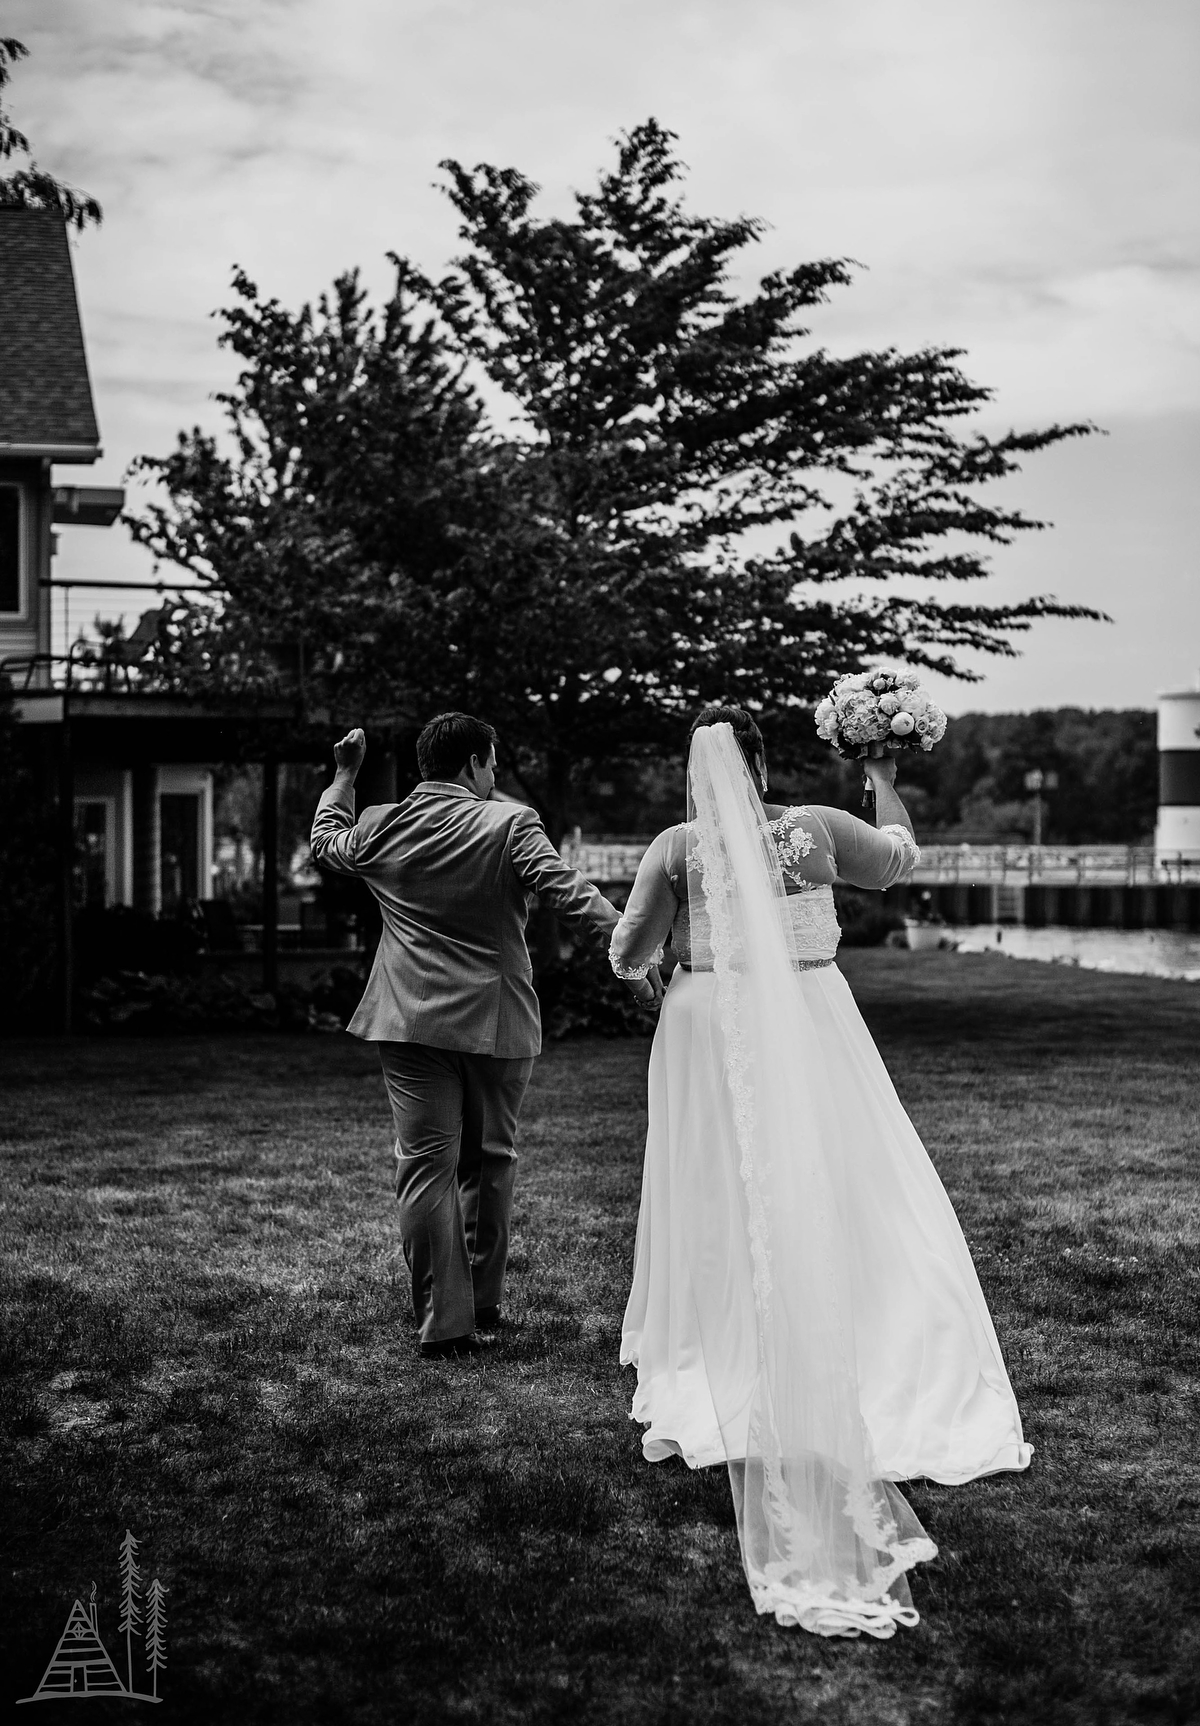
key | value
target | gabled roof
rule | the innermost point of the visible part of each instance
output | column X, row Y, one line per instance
column 45, row 396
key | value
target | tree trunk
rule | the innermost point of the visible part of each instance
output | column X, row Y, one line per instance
column 545, row 934
column 270, row 874
column 558, row 785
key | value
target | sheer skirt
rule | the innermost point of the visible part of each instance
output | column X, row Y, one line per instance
column 935, row 1396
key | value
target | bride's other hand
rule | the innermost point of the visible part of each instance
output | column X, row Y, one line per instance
column 647, row 991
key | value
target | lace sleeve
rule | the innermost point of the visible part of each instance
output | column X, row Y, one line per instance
column 637, row 940
column 867, row 856
column 909, row 846
column 631, row 973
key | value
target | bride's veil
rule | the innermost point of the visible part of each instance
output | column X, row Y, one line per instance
column 825, row 1542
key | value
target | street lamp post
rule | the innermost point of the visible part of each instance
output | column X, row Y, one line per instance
column 1037, row 782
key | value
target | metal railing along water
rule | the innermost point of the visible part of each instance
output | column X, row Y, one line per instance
column 960, row 865
column 1051, row 865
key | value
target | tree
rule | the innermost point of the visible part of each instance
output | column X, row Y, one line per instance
column 337, row 519
column 131, row 1610
column 659, row 525
column 156, row 1622
column 670, row 430
column 32, row 188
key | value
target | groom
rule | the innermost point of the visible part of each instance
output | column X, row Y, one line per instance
column 450, row 1002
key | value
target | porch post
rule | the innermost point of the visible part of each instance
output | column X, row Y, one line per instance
column 270, row 874
column 147, row 840
column 66, row 874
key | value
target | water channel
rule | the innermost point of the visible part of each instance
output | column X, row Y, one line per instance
column 1140, row 952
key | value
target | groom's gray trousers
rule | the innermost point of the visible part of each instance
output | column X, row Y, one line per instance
column 456, row 1119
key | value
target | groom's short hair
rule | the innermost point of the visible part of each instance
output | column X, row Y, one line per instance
column 448, row 742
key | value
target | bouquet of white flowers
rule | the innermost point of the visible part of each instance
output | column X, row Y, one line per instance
column 877, row 713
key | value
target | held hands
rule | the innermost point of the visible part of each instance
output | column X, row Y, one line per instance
column 648, row 990
column 350, row 751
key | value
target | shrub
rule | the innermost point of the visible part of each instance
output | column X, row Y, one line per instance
column 865, row 920
column 579, row 996
column 135, row 1003
column 115, row 940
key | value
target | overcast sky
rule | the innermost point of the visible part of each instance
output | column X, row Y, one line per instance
column 1018, row 178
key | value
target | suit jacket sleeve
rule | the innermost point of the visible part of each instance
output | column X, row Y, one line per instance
column 539, row 867
column 335, row 834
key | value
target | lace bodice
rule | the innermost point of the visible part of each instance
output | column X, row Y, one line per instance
column 814, row 926
column 815, row 846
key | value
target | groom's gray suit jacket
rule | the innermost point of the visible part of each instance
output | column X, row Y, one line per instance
column 452, row 874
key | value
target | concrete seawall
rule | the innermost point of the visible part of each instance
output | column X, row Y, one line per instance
column 1042, row 907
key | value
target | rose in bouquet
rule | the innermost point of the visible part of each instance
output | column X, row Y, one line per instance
column 878, row 712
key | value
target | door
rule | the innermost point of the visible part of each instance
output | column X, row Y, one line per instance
column 180, row 830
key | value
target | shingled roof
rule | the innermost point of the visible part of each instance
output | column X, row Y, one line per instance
column 45, row 396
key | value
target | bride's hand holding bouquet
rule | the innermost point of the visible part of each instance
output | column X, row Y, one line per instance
column 873, row 715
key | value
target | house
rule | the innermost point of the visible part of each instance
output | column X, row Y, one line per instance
column 143, row 821
column 126, row 766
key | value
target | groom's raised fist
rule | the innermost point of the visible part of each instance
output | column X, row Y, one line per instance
column 350, row 751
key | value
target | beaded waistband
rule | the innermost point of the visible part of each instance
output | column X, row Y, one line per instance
column 797, row 965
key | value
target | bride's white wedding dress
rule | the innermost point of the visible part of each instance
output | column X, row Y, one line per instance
column 804, row 1306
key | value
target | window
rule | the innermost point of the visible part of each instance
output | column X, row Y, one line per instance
column 91, row 853
column 10, row 549
column 180, row 816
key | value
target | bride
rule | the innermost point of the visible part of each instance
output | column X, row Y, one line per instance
column 804, row 1306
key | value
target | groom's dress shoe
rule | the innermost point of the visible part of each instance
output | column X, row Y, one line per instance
column 452, row 1348
column 487, row 1317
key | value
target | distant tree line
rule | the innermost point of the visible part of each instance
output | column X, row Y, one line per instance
column 972, row 785
column 969, row 789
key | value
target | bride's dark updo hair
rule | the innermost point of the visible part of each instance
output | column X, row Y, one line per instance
column 748, row 736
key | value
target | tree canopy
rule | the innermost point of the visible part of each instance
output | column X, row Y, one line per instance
column 326, row 529
column 32, row 188
column 657, row 512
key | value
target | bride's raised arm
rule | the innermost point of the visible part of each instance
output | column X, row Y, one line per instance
column 874, row 857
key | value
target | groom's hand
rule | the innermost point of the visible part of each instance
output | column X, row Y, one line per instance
column 350, row 751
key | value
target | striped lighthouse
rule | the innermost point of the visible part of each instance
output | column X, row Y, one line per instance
column 1177, row 837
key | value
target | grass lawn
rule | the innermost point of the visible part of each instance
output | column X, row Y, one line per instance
column 206, row 1340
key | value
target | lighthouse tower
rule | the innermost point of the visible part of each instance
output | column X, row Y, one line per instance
column 1177, row 837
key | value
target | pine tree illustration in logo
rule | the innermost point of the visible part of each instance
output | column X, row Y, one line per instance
column 131, row 1611
column 156, row 1657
